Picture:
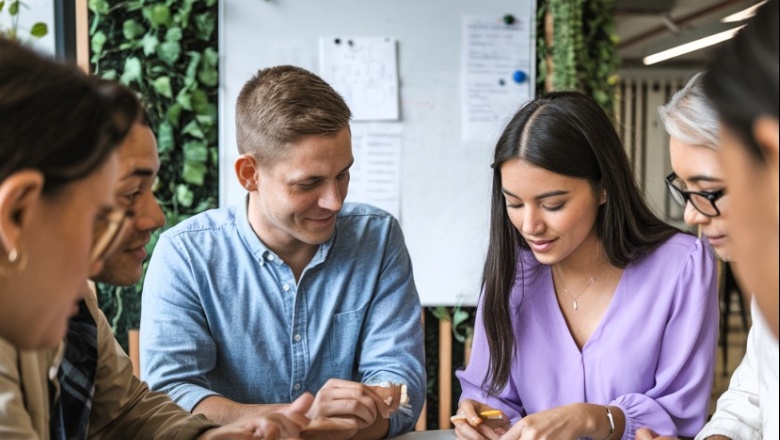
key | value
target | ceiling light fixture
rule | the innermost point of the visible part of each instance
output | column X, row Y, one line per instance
column 743, row 14
column 690, row 47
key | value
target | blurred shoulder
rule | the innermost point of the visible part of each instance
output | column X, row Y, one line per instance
column 210, row 220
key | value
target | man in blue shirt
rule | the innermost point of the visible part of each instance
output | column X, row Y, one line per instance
column 246, row 308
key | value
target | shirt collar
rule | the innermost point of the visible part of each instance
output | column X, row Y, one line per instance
column 261, row 252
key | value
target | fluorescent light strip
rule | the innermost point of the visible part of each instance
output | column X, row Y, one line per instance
column 743, row 14
column 690, row 47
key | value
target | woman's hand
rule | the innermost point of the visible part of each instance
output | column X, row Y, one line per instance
column 564, row 422
column 471, row 425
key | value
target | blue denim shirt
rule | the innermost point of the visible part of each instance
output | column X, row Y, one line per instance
column 223, row 315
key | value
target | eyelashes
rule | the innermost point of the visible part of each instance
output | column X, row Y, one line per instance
column 555, row 208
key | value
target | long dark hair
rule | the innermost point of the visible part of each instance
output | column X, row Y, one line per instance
column 566, row 133
column 56, row 119
column 742, row 79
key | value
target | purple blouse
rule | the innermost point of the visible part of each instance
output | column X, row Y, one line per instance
column 652, row 355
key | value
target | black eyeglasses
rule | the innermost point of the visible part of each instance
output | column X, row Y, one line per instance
column 702, row 201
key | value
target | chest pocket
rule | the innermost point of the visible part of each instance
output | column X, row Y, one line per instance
column 345, row 341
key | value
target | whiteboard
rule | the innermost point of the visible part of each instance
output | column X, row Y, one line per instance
column 444, row 180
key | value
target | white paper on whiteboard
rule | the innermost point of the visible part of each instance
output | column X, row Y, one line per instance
column 364, row 70
column 375, row 177
column 492, row 52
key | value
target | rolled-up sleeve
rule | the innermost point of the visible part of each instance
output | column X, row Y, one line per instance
column 392, row 337
column 177, row 349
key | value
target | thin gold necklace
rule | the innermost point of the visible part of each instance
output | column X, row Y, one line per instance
column 574, row 299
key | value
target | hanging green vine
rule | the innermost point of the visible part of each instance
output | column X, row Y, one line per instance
column 577, row 48
column 599, row 67
column 167, row 51
column 567, row 43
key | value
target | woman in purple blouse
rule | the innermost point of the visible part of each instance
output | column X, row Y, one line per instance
column 596, row 318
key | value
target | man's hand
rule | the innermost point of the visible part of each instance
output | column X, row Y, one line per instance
column 284, row 424
column 342, row 408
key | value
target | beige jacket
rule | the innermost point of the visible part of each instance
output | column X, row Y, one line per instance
column 123, row 406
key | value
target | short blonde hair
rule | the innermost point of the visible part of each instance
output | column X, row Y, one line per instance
column 283, row 104
column 690, row 116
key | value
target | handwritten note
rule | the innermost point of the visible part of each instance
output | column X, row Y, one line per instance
column 496, row 69
column 364, row 70
column 375, row 177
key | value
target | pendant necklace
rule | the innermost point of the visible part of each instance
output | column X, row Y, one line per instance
column 574, row 298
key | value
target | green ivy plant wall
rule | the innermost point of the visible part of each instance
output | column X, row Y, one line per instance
column 167, row 51
column 577, row 48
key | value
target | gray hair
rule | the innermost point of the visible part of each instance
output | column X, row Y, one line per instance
column 690, row 116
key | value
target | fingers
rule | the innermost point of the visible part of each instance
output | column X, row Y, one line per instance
column 475, row 414
column 469, row 423
column 468, row 409
column 336, row 428
column 277, row 425
column 645, row 434
column 269, row 432
column 344, row 398
column 300, row 406
column 514, row 432
column 490, row 433
column 386, row 399
column 464, row 431
column 389, row 398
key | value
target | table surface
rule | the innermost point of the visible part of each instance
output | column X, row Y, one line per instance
column 448, row 434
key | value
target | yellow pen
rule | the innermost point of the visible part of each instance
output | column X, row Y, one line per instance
column 493, row 414
column 484, row 415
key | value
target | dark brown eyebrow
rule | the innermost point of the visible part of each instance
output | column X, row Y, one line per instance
column 352, row 162
column 702, row 178
column 540, row 196
column 139, row 172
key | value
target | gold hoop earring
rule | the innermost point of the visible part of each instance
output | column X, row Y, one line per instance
column 17, row 261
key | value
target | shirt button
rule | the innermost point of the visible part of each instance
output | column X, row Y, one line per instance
column 270, row 257
column 297, row 338
column 297, row 386
column 286, row 287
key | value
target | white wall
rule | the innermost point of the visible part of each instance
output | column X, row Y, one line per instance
column 30, row 12
column 445, row 181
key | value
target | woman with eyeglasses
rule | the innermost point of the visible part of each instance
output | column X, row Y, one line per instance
column 698, row 183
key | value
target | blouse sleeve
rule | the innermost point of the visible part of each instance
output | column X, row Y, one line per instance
column 677, row 404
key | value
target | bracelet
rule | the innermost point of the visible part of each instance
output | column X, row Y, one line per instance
column 611, row 422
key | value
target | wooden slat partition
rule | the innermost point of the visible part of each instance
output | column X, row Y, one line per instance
column 134, row 351
column 422, row 422
column 445, row 373
column 82, row 35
